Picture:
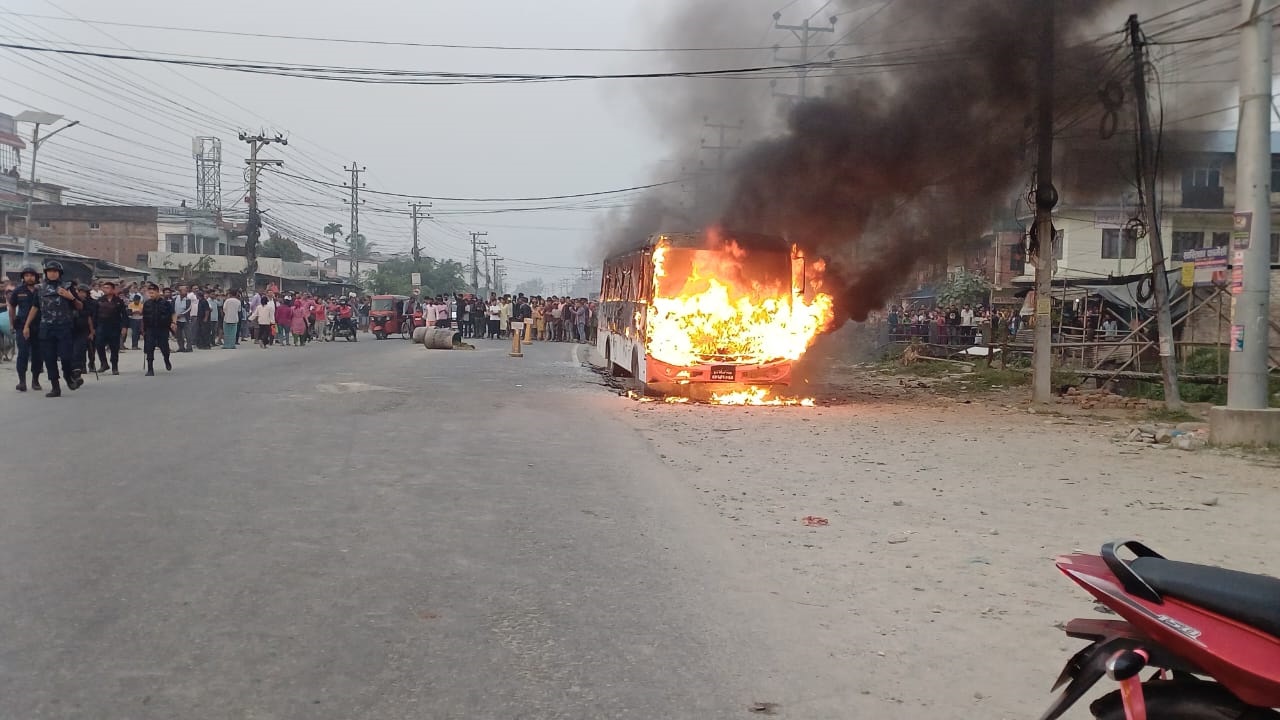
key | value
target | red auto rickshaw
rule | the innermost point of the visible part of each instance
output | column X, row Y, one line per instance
column 387, row 316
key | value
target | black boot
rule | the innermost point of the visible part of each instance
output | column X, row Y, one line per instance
column 55, row 390
column 115, row 370
column 93, row 366
column 168, row 365
column 35, row 383
column 22, row 383
column 74, row 381
column 150, row 370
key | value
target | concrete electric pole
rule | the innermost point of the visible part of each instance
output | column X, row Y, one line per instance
column 1246, row 420
column 1147, row 169
column 414, row 209
column 1046, row 200
column 254, row 227
column 353, row 236
column 475, row 270
column 805, row 33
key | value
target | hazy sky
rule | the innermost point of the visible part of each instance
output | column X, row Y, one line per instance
column 469, row 141
column 462, row 141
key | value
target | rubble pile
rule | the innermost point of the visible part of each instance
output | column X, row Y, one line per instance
column 1183, row 436
column 1102, row 400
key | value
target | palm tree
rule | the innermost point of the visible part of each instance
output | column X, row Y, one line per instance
column 333, row 230
column 360, row 249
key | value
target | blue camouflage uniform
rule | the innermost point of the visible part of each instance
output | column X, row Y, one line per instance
column 57, row 316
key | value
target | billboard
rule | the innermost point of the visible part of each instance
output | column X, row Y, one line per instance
column 1204, row 267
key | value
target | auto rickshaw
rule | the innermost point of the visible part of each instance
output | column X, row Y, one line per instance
column 387, row 316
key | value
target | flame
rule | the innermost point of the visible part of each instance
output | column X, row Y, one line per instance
column 721, row 303
column 758, row 396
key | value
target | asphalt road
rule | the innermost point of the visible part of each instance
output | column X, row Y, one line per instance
column 371, row 531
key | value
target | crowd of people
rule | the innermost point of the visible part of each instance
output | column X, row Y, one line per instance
column 553, row 319
column 64, row 330
column 950, row 325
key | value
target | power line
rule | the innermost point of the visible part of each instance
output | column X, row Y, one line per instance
column 394, row 43
column 493, row 199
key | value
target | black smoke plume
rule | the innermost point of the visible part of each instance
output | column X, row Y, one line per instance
column 920, row 137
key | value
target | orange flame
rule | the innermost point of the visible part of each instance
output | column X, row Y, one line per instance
column 721, row 303
column 757, row 396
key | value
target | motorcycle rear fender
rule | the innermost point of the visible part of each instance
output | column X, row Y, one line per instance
column 1087, row 667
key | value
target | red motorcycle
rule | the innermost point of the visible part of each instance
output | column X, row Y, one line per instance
column 1211, row 638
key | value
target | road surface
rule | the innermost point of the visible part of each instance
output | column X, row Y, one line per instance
column 373, row 530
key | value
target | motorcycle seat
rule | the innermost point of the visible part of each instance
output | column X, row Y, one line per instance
column 1245, row 597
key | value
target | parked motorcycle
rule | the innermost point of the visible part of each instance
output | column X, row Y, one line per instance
column 1209, row 636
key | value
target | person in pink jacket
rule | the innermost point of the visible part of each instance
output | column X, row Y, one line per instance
column 284, row 321
column 298, row 325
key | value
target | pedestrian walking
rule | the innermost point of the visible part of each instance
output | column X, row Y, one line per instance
column 135, row 319
column 82, row 334
column 56, row 314
column 22, row 301
column 231, row 311
column 158, row 320
column 298, row 324
column 284, row 321
column 109, row 325
column 265, row 319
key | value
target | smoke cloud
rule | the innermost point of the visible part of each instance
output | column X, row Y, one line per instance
column 913, row 145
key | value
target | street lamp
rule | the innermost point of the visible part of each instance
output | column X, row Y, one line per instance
column 39, row 118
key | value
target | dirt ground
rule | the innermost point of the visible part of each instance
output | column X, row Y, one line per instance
column 933, row 580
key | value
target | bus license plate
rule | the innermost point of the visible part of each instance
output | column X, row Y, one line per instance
column 724, row 373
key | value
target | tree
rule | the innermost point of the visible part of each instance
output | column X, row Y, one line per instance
column 964, row 288
column 439, row 277
column 531, row 287
column 333, row 230
column 359, row 248
column 280, row 247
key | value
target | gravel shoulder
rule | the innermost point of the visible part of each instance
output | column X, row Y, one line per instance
column 932, row 586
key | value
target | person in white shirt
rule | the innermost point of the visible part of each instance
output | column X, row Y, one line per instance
column 231, row 320
column 265, row 316
column 192, row 326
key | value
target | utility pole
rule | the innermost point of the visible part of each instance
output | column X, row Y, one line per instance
column 1046, row 200
column 805, row 33
column 487, row 250
column 254, row 226
column 721, row 148
column 475, row 246
column 38, row 118
column 355, row 203
column 414, row 209
column 1147, row 170
column 1246, row 420
column 497, row 278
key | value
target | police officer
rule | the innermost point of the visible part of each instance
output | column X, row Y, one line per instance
column 158, row 320
column 82, row 331
column 56, row 314
column 21, row 302
column 110, row 325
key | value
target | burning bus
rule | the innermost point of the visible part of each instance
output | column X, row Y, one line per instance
column 718, row 316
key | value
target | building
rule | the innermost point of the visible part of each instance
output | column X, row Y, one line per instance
column 1197, row 195
column 11, row 146
column 128, row 234
column 77, row 267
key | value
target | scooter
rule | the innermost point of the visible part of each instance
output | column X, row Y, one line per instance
column 1209, row 636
